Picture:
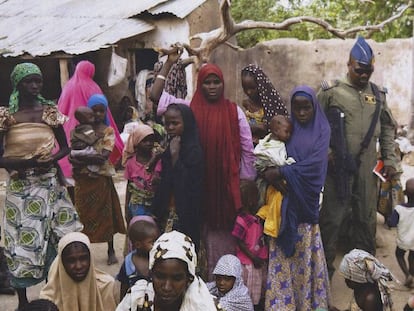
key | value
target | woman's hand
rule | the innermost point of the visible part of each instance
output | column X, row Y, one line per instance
column 175, row 148
column 273, row 177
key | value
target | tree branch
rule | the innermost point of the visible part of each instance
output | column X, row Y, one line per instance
column 210, row 40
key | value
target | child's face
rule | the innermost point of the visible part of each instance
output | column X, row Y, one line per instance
column 147, row 144
column 224, row 283
column 88, row 117
column 250, row 87
column 146, row 244
column 99, row 111
column 281, row 130
column 174, row 124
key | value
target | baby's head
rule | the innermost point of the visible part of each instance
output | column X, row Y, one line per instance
column 227, row 273
column 409, row 188
column 143, row 234
column 249, row 196
column 280, row 127
column 84, row 115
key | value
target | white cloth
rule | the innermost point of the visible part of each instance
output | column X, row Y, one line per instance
column 405, row 227
column 272, row 152
column 168, row 246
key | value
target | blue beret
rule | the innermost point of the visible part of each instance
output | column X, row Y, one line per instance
column 362, row 52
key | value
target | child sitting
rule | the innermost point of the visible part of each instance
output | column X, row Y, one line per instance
column 83, row 137
column 368, row 278
column 251, row 250
column 142, row 181
column 402, row 217
column 228, row 287
column 271, row 152
column 142, row 235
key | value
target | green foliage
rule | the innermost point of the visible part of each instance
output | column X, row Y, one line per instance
column 343, row 14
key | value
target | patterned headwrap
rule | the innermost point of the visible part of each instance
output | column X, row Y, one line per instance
column 97, row 99
column 19, row 72
column 238, row 298
column 362, row 52
column 269, row 97
column 177, row 245
column 362, row 267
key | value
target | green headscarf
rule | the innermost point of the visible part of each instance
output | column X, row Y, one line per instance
column 19, row 72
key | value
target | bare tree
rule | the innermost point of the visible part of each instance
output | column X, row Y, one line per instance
column 208, row 41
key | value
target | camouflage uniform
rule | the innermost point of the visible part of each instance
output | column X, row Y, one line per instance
column 358, row 107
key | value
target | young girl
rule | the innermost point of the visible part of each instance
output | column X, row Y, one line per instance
column 252, row 250
column 228, row 288
column 96, row 198
column 178, row 197
column 263, row 101
column 142, row 181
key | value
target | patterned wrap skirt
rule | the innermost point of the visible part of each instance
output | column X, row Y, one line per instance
column 300, row 282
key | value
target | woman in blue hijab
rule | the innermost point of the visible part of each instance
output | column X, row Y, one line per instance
column 298, row 277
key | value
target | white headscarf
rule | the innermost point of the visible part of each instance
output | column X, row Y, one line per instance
column 362, row 267
column 171, row 245
column 238, row 298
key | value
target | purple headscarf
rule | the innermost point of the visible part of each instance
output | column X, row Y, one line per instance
column 309, row 147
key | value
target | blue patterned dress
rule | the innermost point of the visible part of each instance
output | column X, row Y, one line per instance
column 299, row 282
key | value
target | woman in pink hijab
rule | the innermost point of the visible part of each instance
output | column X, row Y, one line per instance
column 75, row 93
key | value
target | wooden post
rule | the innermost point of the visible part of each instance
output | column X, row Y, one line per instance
column 64, row 73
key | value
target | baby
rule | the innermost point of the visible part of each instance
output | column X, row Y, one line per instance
column 83, row 137
column 271, row 152
column 142, row 233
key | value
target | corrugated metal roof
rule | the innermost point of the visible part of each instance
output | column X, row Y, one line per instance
column 40, row 28
column 179, row 8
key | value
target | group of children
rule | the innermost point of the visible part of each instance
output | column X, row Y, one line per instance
column 259, row 216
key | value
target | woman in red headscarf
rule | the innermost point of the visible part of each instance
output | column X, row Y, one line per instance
column 227, row 145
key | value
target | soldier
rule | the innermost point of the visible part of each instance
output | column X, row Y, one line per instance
column 351, row 188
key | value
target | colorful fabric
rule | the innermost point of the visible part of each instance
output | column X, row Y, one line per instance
column 37, row 212
column 98, row 206
column 238, row 298
column 255, row 280
column 362, row 52
column 170, row 245
column 136, row 136
column 140, row 185
column 256, row 117
column 97, row 292
column 269, row 97
column 220, row 140
column 183, row 181
column 176, row 83
column 19, row 72
column 308, row 145
column 249, row 230
column 76, row 93
column 271, row 212
column 362, row 267
column 299, row 282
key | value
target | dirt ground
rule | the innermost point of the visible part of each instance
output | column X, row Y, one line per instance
column 341, row 295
